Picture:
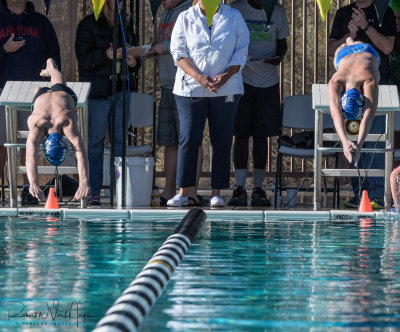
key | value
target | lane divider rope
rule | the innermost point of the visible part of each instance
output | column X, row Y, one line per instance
column 129, row 310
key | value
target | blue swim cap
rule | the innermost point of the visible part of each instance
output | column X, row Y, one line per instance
column 352, row 105
column 55, row 149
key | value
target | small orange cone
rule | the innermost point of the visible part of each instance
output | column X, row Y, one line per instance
column 52, row 202
column 365, row 204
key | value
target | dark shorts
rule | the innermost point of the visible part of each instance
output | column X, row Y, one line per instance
column 259, row 113
column 168, row 119
column 56, row 87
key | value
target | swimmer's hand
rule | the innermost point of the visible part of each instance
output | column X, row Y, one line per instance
column 349, row 150
column 36, row 192
column 82, row 192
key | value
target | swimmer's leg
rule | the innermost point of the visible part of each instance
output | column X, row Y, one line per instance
column 53, row 72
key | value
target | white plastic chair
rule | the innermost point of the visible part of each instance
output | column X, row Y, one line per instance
column 299, row 114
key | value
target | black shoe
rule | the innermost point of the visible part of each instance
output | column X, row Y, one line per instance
column 239, row 197
column 27, row 198
column 259, row 198
column 203, row 201
column 163, row 201
column 94, row 200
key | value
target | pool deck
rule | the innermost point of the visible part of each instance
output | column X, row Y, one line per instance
column 302, row 211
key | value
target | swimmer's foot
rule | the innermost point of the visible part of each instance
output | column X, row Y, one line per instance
column 50, row 66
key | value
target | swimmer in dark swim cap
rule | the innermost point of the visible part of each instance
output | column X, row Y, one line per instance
column 54, row 119
column 353, row 94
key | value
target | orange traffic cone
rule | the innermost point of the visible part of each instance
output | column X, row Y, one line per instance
column 51, row 202
column 365, row 204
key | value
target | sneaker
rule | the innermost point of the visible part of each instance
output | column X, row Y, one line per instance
column 259, row 198
column 178, row 200
column 94, row 200
column 217, row 201
column 239, row 197
column 376, row 205
column 352, row 203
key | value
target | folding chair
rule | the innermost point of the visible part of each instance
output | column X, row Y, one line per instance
column 299, row 114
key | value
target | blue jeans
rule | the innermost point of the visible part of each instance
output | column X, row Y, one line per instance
column 99, row 121
column 374, row 185
column 193, row 113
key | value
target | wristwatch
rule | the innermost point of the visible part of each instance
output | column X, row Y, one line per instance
column 366, row 28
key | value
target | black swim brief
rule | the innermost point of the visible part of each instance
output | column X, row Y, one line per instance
column 56, row 87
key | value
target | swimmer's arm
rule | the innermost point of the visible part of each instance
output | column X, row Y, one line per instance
column 72, row 133
column 335, row 90
column 35, row 136
column 371, row 102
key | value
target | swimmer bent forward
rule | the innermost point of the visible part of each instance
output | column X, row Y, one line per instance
column 54, row 115
column 353, row 92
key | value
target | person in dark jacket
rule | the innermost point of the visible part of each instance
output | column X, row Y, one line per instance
column 27, row 40
column 93, row 47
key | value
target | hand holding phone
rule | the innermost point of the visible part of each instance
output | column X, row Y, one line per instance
column 12, row 45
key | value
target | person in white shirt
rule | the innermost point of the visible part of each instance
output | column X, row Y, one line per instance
column 208, row 85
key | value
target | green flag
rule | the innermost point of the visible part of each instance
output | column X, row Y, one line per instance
column 324, row 7
column 97, row 7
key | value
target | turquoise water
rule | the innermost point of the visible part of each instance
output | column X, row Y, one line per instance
column 88, row 262
column 237, row 276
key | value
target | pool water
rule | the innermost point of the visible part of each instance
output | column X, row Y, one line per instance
column 236, row 276
column 90, row 262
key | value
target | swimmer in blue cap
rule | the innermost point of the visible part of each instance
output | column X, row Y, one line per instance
column 54, row 119
column 353, row 94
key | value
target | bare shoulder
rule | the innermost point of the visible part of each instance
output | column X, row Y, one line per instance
column 33, row 120
column 70, row 123
column 337, row 78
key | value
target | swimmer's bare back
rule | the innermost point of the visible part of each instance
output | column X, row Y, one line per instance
column 52, row 109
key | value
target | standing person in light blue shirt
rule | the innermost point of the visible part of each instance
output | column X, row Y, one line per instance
column 259, row 112
column 208, row 85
